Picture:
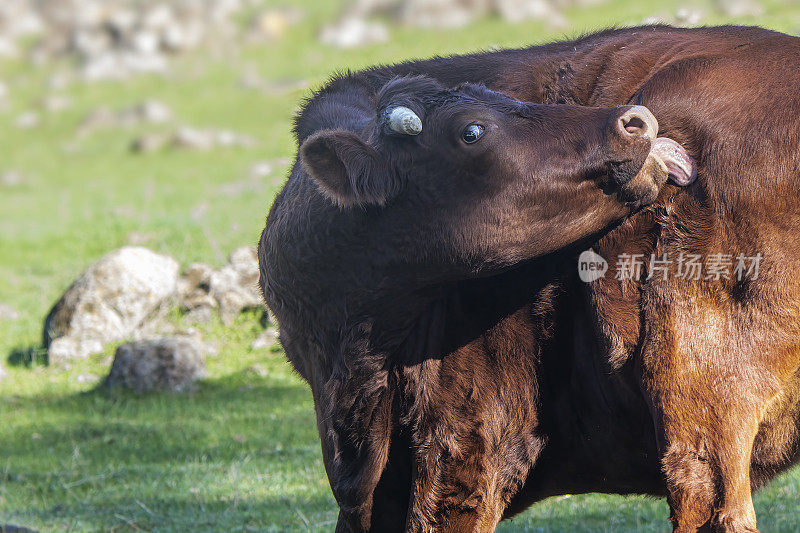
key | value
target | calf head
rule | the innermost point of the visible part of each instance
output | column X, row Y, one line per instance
column 485, row 181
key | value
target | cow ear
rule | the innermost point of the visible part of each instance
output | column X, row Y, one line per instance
column 346, row 169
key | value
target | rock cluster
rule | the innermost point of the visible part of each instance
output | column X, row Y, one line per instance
column 188, row 138
column 355, row 27
column 229, row 290
column 145, row 112
column 113, row 39
column 168, row 364
column 126, row 294
column 358, row 27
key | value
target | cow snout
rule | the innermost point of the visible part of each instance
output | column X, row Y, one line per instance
column 637, row 122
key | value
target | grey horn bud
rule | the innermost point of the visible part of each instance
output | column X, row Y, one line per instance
column 404, row 121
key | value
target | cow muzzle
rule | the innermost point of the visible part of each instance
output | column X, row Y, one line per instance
column 636, row 130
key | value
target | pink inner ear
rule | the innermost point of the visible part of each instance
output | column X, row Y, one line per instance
column 682, row 168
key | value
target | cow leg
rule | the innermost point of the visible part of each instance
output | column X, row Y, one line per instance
column 708, row 472
column 735, row 511
column 455, row 495
column 708, row 414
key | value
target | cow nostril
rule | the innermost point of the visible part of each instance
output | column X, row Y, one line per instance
column 638, row 121
column 634, row 125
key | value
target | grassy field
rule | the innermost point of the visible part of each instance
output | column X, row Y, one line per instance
column 241, row 453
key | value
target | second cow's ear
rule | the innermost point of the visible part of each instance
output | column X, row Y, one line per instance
column 346, row 169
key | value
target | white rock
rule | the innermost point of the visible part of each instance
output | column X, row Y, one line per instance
column 11, row 178
column 353, row 33
column 235, row 285
column 688, row 16
column 145, row 42
column 193, row 138
column 740, row 8
column 3, row 372
column 175, row 38
column 515, row 11
column 28, row 120
column 148, row 142
column 55, row 103
column 202, row 139
column 259, row 370
column 266, row 340
column 153, row 111
column 110, row 300
column 159, row 16
column 443, row 13
column 8, row 313
column 8, row 48
column 260, row 170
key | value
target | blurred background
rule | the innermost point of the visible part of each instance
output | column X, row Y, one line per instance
column 152, row 136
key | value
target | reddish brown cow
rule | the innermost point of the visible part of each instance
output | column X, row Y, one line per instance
column 485, row 395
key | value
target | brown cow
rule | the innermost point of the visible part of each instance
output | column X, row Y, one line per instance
column 501, row 390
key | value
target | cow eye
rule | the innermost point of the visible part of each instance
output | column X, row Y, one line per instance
column 472, row 133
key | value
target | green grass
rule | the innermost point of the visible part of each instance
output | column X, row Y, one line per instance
column 240, row 453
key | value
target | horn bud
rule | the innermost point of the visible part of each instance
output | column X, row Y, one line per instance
column 404, row 121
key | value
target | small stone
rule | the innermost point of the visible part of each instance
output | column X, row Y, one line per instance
column 353, row 32
column 688, row 16
column 8, row 313
column 259, row 170
column 56, row 103
column 139, row 238
column 11, row 178
column 145, row 42
column 227, row 138
column 270, row 25
column 154, row 112
column 654, row 20
column 86, row 378
column 203, row 140
column 167, row 364
column 193, row 139
column 198, row 274
column 266, row 340
column 148, row 143
column 28, row 120
column 740, row 8
column 235, row 285
column 515, row 11
column 8, row 48
column 101, row 117
column 258, row 370
column 3, row 374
